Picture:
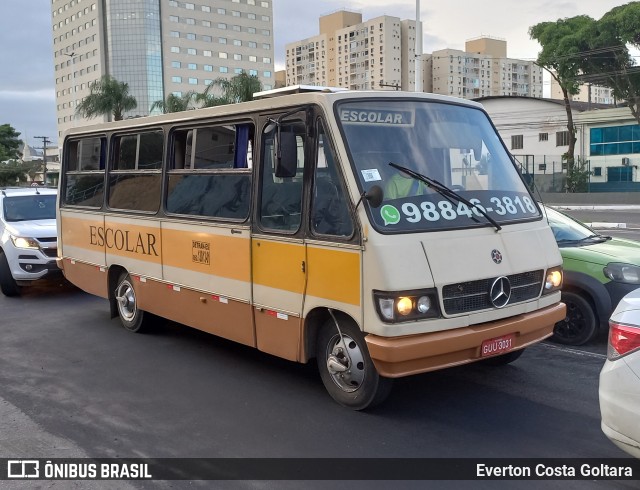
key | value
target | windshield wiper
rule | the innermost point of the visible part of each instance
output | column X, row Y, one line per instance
column 443, row 190
column 594, row 237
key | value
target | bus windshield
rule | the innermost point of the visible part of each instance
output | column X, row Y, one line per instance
column 454, row 145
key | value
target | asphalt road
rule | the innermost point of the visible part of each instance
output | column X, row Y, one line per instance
column 73, row 383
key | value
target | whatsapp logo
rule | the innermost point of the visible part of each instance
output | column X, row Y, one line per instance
column 390, row 215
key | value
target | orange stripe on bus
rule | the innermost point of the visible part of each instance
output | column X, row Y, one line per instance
column 202, row 252
column 334, row 275
column 126, row 240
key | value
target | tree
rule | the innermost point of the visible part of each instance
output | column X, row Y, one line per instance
column 240, row 88
column 13, row 172
column 562, row 43
column 9, row 143
column 107, row 96
column 608, row 61
column 174, row 103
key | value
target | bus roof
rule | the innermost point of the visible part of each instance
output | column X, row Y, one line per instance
column 269, row 101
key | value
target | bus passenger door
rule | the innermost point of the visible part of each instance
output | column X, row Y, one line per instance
column 278, row 249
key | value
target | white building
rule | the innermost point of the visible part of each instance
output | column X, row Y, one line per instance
column 588, row 93
column 535, row 132
column 482, row 70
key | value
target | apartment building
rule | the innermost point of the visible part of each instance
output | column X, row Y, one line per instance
column 588, row 93
column 375, row 54
column 158, row 47
column 483, row 69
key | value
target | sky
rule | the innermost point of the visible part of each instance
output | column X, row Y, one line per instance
column 27, row 94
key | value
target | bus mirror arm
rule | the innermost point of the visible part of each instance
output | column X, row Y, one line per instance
column 375, row 195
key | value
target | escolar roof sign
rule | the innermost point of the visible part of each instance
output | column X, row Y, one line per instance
column 376, row 116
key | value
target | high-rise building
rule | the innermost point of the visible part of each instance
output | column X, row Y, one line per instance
column 158, row 47
column 483, row 69
column 375, row 54
column 589, row 92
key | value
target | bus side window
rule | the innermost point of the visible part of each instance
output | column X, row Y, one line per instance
column 84, row 170
column 329, row 208
column 209, row 176
column 281, row 197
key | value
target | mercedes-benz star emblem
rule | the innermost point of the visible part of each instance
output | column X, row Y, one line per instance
column 500, row 292
column 496, row 256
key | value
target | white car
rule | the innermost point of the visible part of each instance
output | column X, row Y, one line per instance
column 28, row 237
column 620, row 377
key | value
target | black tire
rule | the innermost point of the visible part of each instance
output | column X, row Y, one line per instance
column 503, row 359
column 132, row 318
column 359, row 386
column 8, row 284
column 580, row 325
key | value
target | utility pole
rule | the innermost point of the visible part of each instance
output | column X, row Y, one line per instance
column 45, row 142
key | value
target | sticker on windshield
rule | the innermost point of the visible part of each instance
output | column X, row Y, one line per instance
column 376, row 117
column 390, row 215
column 371, row 175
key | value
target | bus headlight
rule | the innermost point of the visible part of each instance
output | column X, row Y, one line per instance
column 553, row 281
column 403, row 306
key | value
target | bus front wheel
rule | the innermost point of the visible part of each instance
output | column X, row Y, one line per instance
column 132, row 318
column 346, row 368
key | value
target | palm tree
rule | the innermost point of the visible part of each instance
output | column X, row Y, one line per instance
column 237, row 89
column 174, row 103
column 107, row 96
column 209, row 100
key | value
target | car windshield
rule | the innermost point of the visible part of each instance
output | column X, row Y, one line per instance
column 29, row 208
column 568, row 231
column 453, row 145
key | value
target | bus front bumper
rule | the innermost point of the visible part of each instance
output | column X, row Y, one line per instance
column 395, row 357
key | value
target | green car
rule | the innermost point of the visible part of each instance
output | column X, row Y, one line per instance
column 598, row 272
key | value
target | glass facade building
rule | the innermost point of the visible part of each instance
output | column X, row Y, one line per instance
column 158, row 47
column 615, row 140
column 134, row 49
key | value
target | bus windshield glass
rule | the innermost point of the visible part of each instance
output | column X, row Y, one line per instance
column 454, row 145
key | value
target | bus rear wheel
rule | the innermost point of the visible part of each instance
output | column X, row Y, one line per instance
column 346, row 368
column 132, row 318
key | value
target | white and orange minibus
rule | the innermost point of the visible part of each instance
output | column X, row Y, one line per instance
column 384, row 234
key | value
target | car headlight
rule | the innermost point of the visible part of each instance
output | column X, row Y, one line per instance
column 627, row 273
column 553, row 280
column 403, row 306
column 21, row 242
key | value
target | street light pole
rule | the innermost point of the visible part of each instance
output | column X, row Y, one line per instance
column 418, row 54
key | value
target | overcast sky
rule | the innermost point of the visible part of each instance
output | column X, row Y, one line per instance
column 27, row 96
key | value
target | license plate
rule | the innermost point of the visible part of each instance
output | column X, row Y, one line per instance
column 499, row 345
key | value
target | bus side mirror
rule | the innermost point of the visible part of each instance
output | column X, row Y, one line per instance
column 375, row 195
column 286, row 155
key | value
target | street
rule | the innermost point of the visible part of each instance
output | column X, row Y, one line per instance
column 74, row 383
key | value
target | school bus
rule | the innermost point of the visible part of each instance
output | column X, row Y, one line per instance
column 384, row 234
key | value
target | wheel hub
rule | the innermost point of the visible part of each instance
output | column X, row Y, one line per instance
column 345, row 363
column 126, row 298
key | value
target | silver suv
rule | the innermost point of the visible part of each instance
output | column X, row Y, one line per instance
column 28, row 238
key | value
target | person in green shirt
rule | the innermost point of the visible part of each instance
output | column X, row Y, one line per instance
column 402, row 185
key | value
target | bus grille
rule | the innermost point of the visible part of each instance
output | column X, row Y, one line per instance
column 471, row 296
